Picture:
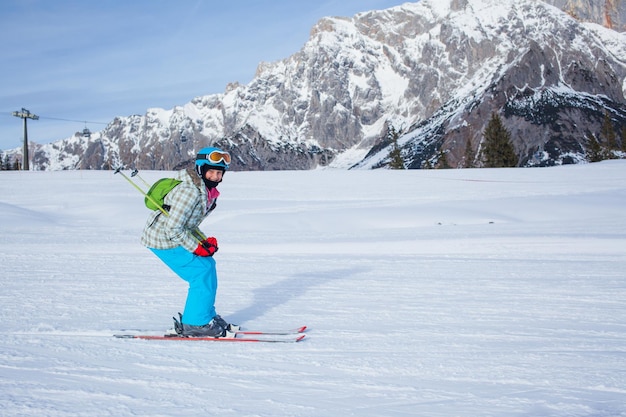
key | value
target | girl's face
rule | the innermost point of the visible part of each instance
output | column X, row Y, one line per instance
column 214, row 175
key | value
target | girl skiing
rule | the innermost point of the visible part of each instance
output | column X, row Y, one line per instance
column 177, row 241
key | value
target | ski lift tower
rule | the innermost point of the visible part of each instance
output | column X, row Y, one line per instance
column 25, row 114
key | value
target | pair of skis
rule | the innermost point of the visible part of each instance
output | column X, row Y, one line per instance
column 239, row 336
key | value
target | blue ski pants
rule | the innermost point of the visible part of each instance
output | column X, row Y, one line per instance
column 201, row 275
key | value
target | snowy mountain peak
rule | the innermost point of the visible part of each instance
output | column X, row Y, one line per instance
column 435, row 70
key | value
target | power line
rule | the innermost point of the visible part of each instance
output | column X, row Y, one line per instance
column 8, row 113
column 25, row 114
column 71, row 120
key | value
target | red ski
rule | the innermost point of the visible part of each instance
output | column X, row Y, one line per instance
column 273, row 332
column 215, row 339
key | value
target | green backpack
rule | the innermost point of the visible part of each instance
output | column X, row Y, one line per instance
column 155, row 197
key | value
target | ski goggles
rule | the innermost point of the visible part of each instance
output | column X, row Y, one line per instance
column 215, row 157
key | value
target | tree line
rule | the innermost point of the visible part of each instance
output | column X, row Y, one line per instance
column 9, row 164
column 497, row 150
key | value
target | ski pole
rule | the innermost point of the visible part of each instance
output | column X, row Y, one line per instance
column 196, row 233
column 152, row 200
column 136, row 173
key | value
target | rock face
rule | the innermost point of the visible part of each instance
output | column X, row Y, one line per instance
column 435, row 70
column 608, row 13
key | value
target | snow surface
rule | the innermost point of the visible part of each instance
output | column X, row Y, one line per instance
column 492, row 292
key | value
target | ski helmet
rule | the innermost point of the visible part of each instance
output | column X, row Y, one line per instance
column 212, row 158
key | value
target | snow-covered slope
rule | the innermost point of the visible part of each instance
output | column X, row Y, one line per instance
column 427, row 293
column 435, row 70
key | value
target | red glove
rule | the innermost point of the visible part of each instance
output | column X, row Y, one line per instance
column 207, row 247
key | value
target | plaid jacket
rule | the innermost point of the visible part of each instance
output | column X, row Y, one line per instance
column 189, row 206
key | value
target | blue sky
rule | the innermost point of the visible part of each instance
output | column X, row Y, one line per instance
column 77, row 61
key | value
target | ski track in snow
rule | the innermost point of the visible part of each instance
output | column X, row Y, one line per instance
column 433, row 293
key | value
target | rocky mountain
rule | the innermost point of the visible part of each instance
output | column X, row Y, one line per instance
column 435, row 70
column 552, row 79
column 608, row 13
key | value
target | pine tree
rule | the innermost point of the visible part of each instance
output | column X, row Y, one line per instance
column 442, row 160
column 608, row 133
column 470, row 155
column 498, row 150
column 624, row 139
column 395, row 155
column 595, row 152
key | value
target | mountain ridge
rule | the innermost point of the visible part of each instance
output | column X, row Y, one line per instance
column 435, row 70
